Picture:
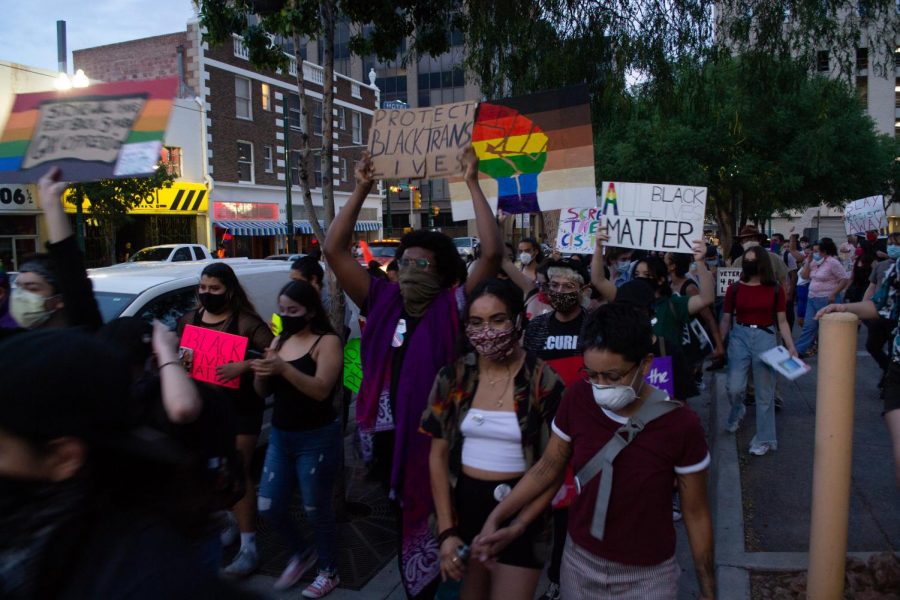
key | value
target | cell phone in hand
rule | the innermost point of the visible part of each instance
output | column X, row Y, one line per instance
column 255, row 354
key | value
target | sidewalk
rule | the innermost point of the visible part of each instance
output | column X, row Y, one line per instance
column 763, row 504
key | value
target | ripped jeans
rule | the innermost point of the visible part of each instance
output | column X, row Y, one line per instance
column 310, row 459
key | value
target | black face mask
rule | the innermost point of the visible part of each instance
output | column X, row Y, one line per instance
column 292, row 325
column 214, row 303
column 750, row 268
column 651, row 282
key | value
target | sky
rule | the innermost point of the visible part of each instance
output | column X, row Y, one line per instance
column 28, row 28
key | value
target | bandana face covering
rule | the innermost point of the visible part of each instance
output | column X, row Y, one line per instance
column 493, row 344
column 418, row 288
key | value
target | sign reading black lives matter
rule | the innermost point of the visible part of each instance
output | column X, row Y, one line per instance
column 420, row 143
column 648, row 216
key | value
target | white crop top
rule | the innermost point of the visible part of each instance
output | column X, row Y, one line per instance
column 492, row 441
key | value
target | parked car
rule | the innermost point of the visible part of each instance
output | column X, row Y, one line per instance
column 383, row 252
column 165, row 291
column 288, row 257
column 466, row 246
column 172, row 253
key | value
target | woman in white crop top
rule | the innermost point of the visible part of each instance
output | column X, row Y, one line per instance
column 489, row 416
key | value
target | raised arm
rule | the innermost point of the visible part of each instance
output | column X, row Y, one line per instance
column 350, row 274
column 488, row 232
column 707, row 293
column 603, row 285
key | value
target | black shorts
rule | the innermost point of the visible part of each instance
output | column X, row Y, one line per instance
column 890, row 393
column 248, row 413
column 475, row 501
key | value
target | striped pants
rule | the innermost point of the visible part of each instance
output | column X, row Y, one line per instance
column 587, row 576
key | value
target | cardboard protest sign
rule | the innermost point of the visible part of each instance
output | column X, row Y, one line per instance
column 352, row 365
column 647, row 216
column 662, row 376
column 536, row 154
column 865, row 214
column 420, row 143
column 211, row 349
column 103, row 131
column 578, row 229
column 727, row 276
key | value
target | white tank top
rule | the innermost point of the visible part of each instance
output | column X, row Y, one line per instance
column 492, row 441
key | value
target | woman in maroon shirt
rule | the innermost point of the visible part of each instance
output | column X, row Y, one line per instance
column 754, row 306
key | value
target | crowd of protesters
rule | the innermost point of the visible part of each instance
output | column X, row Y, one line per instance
column 497, row 400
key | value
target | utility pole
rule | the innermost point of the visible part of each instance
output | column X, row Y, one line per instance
column 390, row 227
column 62, row 58
column 430, row 206
column 288, row 202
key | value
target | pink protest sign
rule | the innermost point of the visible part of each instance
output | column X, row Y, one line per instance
column 211, row 349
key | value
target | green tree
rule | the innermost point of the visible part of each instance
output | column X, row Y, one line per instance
column 111, row 200
column 762, row 147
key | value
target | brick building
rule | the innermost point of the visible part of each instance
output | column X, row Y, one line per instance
column 243, row 133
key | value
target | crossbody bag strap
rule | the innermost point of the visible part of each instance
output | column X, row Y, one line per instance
column 656, row 405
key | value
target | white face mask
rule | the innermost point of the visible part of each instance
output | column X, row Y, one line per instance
column 29, row 309
column 525, row 258
column 750, row 244
column 615, row 397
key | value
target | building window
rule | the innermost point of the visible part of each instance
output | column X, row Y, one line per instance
column 356, row 122
column 294, row 111
column 295, row 167
column 317, row 170
column 822, row 61
column 862, row 91
column 170, row 156
column 266, row 97
column 267, row 159
column 317, row 117
column 862, row 59
column 343, row 169
column 245, row 161
column 243, row 109
column 341, row 118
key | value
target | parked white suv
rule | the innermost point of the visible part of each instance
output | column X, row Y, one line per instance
column 171, row 253
column 165, row 291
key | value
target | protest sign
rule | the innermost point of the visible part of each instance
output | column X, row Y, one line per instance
column 352, row 365
column 727, row 276
column 865, row 214
column 647, row 216
column 211, row 349
column 536, row 153
column 103, row 131
column 577, row 232
column 661, row 375
column 420, row 143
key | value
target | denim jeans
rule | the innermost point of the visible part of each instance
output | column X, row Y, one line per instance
column 310, row 459
column 810, row 326
column 745, row 344
column 802, row 298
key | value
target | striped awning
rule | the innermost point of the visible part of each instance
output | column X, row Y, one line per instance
column 367, row 226
column 253, row 228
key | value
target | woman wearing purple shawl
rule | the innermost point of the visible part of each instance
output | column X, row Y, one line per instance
column 411, row 333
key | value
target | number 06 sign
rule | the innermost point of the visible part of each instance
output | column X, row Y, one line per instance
column 17, row 198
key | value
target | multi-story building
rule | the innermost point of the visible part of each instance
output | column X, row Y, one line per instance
column 243, row 130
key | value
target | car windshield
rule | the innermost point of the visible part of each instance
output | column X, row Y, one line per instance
column 383, row 251
column 151, row 254
column 462, row 242
column 112, row 304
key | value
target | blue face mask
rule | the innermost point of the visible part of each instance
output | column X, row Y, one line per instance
column 893, row 252
column 817, row 257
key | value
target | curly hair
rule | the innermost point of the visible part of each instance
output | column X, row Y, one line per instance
column 618, row 328
column 448, row 263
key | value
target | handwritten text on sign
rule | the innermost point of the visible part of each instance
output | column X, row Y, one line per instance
column 420, row 143
column 653, row 217
column 83, row 129
column 577, row 232
column 661, row 375
column 865, row 214
column 212, row 349
column 727, row 276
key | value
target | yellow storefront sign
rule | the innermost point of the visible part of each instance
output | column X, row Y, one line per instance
column 180, row 199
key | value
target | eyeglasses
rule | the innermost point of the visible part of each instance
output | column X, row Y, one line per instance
column 421, row 263
column 604, row 377
column 555, row 286
column 498, row 322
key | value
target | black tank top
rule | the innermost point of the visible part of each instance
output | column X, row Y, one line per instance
column 294, row 410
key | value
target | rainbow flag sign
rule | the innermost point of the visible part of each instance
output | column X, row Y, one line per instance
column 536, row 153
column 103, row 131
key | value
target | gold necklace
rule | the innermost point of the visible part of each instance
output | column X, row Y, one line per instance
column 508, row 379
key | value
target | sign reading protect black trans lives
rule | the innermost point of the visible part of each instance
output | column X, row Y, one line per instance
column 649, row 216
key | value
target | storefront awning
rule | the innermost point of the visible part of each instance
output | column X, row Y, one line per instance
column 266, row 228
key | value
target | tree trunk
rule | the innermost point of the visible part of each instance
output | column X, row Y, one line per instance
column 725, row 220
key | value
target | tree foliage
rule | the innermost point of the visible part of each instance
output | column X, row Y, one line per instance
column 112, row 199
column 762, row 148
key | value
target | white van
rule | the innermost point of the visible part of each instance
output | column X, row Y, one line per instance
column 165, row 291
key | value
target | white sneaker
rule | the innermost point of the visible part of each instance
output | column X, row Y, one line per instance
column 230, row 531
column 245, row 563
column 323, row 585
column 760, row 449
column 296, row 568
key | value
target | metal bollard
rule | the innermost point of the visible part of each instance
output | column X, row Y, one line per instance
column 833, row 455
